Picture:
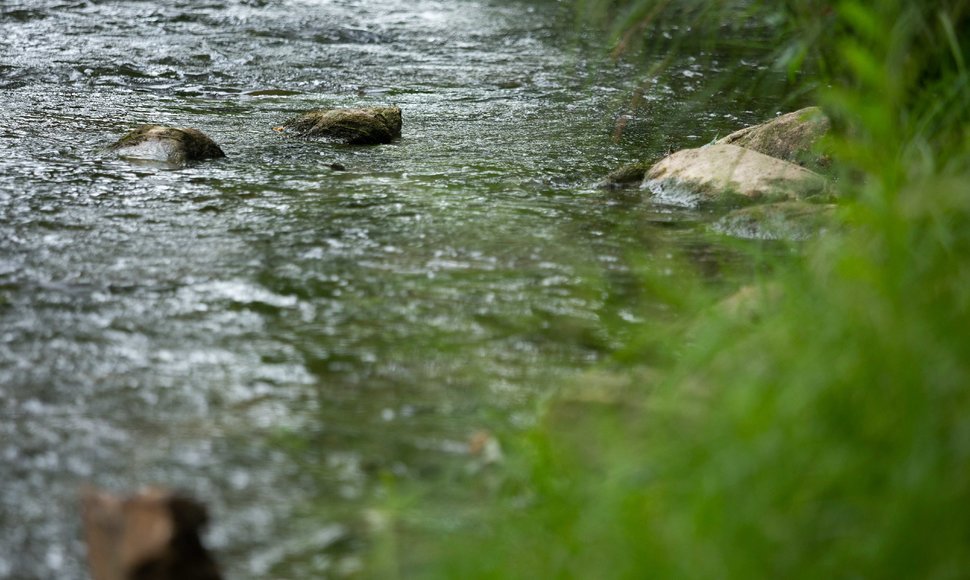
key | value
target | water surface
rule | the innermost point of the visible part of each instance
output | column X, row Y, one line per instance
column 269, row 334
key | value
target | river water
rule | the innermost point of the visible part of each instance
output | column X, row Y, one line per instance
column 271, row 335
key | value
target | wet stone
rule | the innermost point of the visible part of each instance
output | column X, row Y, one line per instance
column 365, row 126
column 625, row 175
column 728, row 173
column 791, row 220
column 167, row 144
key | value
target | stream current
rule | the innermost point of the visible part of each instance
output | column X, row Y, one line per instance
column 271, row 335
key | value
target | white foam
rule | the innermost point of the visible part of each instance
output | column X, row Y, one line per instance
column 670, row 192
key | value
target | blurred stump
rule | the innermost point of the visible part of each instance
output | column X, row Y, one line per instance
column 152, row 535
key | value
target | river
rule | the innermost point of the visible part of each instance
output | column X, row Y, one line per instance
column 276, row 337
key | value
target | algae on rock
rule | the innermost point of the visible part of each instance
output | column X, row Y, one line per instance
column 790, row 220
column 166, row 144
column 793, row 137
column 366, row 126
column 624, row 175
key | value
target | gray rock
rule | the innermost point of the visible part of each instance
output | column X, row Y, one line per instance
column 167, row 145
column 728, row 174
column 790, row 220
column 367, row 126
column 792, row 137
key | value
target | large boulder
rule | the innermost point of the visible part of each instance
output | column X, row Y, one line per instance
column 728, row 174
column 167, row 145
column 792, row 137
column 789, row 220
column 367, row 126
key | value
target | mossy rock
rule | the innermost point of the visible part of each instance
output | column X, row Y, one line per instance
column 793, row 220
column 167, row 144
column 367, row 126
column 793, row 137
column 725, row 174
column 624, row 176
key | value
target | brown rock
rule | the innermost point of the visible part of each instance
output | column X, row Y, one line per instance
column 153, row 535
column 624, row 175
column 167, row 144
column 367, row 126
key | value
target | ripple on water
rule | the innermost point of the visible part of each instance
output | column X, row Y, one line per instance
column 263, row 331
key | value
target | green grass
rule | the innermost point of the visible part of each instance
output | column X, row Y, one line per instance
column 824, row 432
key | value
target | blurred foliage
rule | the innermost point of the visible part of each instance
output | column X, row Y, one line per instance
column 818, row 425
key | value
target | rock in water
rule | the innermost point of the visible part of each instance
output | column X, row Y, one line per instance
column 152, row 535
column 787, row 220
column 367, row 126
column 625, row 175
column 791, row 137
column 167, row 144
column 722, row 173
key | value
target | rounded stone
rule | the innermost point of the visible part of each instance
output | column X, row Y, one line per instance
column 726, row 173
column 792, row 137
column 166, row 144
column 365, row 126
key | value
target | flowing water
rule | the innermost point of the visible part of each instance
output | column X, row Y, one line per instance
column 271, row 335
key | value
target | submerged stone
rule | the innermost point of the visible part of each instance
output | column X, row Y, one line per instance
column 790, row 220
column 366, row 126
column 624, row 175
column 167, row 145
column 792, row 137
column 726, row 173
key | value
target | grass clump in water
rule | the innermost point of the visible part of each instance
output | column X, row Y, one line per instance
column 823, row 431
